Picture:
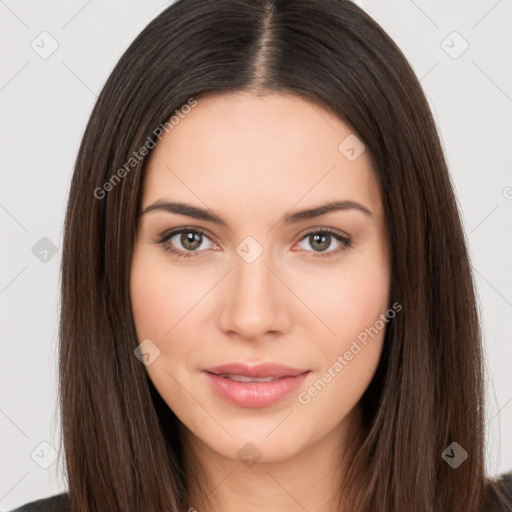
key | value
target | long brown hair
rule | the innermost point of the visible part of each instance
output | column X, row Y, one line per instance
column 122, row 444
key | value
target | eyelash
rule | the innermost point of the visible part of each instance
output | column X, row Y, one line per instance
column 346, row 243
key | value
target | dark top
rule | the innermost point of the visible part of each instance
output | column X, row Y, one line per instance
column 57, row 503
column 60, row 502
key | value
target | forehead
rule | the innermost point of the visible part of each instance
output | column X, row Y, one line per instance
column 256, row 153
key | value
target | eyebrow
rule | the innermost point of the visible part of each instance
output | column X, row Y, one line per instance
column 290, row 218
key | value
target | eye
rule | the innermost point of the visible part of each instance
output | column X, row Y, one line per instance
column 191, row 240
column 322, row 239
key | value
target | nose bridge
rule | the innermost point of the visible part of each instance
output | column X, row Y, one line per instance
column 254, row 304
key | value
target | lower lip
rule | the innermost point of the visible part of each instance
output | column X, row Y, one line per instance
column 255, row 394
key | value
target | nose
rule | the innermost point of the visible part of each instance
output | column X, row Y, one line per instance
column 255, row 301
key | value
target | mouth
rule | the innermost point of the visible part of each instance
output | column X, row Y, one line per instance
column 254, row 386
column 264, row 370
column 245, row 378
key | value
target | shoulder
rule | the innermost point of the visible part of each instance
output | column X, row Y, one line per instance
column 498, row 497
column 500, row 501
column 57, row 503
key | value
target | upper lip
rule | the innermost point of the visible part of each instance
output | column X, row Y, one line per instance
column 260, row 370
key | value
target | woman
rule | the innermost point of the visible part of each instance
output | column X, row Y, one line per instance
column 258, row 303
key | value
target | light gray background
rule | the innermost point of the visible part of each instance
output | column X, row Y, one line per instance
column 45, row 104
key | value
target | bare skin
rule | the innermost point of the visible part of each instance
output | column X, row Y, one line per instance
column 252, row 160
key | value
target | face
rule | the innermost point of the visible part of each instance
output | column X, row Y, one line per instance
column 242, row 277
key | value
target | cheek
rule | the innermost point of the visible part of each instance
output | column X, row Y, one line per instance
column 150, row 298
column 350, row 356
column 159, row 304
column 351, row 299
column 359, row 301
column 353, row 304
column 160, row 295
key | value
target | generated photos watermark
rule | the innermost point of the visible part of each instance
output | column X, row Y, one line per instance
column 304, row 397
column 149, row 144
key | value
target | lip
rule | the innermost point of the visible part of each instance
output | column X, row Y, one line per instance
column 260, row 370
column 255, row 394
